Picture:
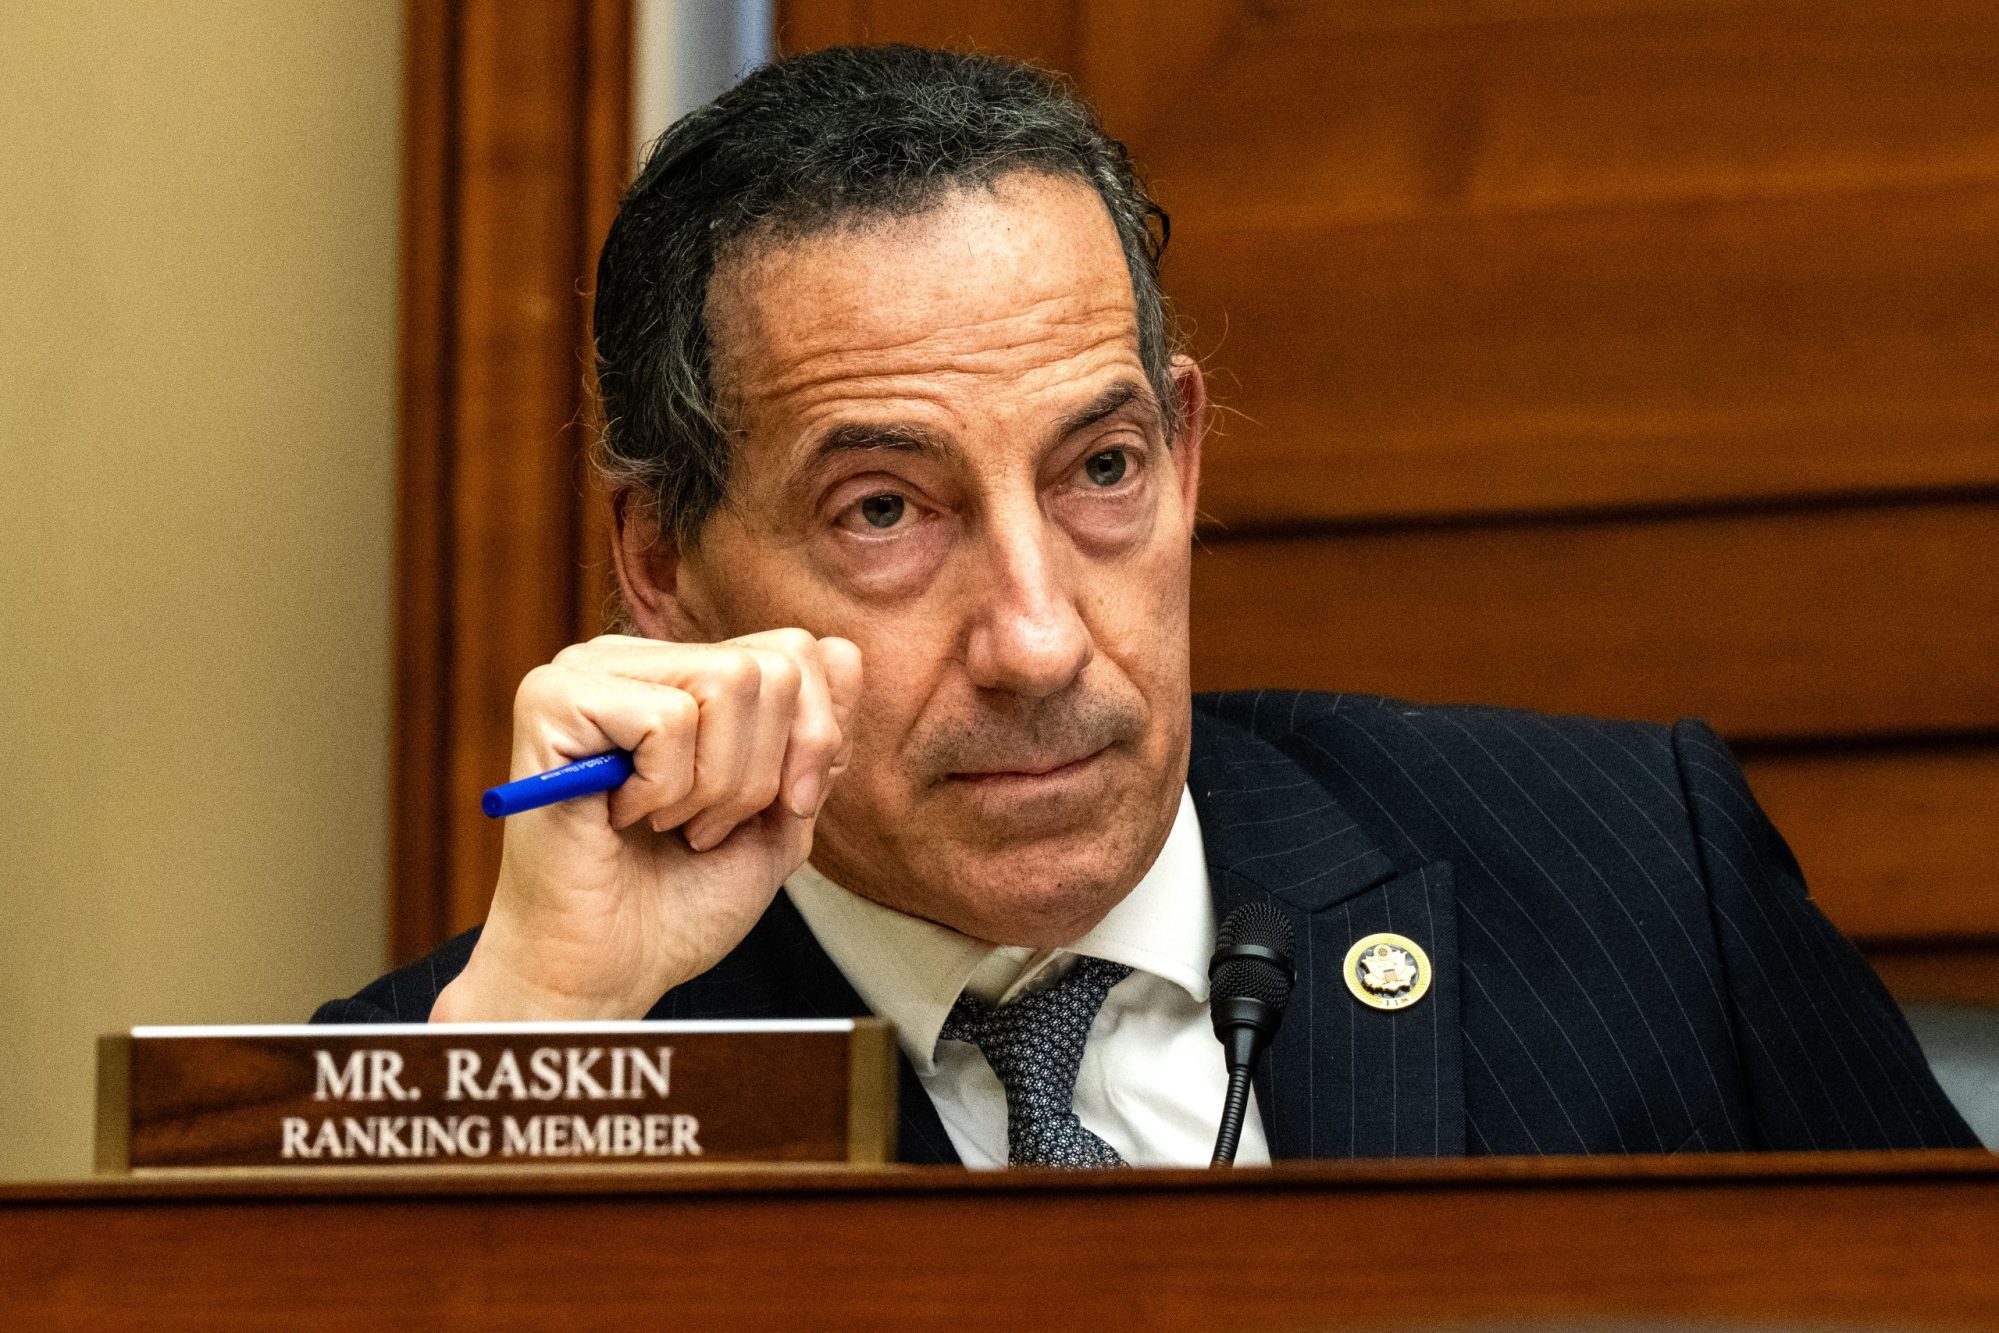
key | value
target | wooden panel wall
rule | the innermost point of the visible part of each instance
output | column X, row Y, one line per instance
column 1635, row 357
column 1617, row 356
column 517, row 145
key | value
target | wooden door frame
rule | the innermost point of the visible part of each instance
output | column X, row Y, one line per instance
column 517, row 145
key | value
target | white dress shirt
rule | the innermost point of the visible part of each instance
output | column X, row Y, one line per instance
column 1153, row 1076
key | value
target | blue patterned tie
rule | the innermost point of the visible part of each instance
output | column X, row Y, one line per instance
column 1035, row 1045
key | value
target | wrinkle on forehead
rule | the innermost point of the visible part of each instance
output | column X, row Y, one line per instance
column 1048, row 337
column 1025, row 276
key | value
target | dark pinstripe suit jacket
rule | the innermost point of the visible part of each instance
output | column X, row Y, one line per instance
column 1625, row 956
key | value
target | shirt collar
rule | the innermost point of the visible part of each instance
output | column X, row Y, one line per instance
column 911, row 971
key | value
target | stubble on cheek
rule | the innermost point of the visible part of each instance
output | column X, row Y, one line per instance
column 1064, row 727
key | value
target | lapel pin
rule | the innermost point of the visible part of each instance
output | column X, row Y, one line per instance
column 1387, row 971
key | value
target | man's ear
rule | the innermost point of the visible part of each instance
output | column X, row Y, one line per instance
column 648, row 565
column 1192, row 387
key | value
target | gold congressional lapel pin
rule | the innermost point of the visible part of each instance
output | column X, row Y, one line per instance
column 1387, row 971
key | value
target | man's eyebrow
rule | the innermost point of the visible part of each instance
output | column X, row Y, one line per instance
column 909, row 438
column 1109, row 403
column 861, row 436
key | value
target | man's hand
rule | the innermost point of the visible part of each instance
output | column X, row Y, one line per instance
column 605, row 902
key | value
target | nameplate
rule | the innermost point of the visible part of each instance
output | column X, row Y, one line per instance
column 479, row 1094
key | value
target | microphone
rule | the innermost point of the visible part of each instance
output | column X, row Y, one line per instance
column 1249, row 981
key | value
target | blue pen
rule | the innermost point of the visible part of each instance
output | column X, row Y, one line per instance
column 585, row 777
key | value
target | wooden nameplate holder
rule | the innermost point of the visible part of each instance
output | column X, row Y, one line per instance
column 476, row 1094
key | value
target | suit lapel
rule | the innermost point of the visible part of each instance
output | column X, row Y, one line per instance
column 823, row 989
column 780, row 970
column 1341, row 1079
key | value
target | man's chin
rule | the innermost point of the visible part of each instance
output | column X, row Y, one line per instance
column 1042, row 896
column 1035, row 863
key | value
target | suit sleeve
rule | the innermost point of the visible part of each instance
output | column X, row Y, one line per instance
column 1827, row 1058
column 406, row 994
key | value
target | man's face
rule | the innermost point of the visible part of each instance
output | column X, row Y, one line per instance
column 949, row 454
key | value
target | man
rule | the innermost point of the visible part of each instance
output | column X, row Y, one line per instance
column 905, row 470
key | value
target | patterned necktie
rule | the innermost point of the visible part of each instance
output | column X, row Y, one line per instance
column 1035, row 1045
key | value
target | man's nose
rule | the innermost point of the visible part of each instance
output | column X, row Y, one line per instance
column 1028, row 638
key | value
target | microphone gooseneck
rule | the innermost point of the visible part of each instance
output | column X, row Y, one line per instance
column 1249, row 982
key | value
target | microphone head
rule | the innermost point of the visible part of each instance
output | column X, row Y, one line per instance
column 1253, row 952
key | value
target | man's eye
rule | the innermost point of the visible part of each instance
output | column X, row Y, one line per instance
column 1107, row 468
column 882, row 511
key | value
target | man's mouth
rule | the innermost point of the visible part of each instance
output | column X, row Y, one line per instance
column 1050, row 768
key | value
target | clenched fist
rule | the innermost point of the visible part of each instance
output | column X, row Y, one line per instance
column 605, row 902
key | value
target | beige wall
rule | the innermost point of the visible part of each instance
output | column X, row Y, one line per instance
column 198, row 231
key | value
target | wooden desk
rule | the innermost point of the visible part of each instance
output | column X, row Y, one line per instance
column 1858, row 1240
